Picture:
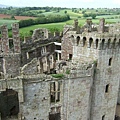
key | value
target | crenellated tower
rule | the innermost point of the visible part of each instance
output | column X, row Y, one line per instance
column 103, row 49
column 10, row 51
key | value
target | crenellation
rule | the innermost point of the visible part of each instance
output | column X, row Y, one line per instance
column 16, row 38
column 102, row 41
column 4, row 38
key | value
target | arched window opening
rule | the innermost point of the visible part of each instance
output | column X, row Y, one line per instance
column 96, row 43
column 110, row 62
column 72, row 36
column 107, row 88
column 78, row 40
column 119, row 43
column 109, row 41
column 103, row 43
column 90, row 42
column 84, row 41
column 114, row 43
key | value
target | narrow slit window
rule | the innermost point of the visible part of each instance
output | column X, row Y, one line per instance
column 107, row 88
column 96, row 43
column 110, row 61
column 11, row 45
column 103, row 117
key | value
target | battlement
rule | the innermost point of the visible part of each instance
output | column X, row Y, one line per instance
column 10, row 45
column 95, row 40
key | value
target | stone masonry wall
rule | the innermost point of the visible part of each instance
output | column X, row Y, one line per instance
column 37, row 100
column 102, row 49
column 105, row 98
column 12, row 64
column 15, row 84
column 66, row 48
column 76, row 98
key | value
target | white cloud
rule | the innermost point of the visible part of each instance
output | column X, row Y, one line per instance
column 116, row 1
column 63, row 3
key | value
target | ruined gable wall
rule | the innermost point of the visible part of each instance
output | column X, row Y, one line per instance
column 30, row 68
column 66, row 48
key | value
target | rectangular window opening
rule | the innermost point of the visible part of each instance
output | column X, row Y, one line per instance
column 110, row 62
column 11, row 45
column 54, row 92
column 55, row 113
column 70, row 56
column 107, row 88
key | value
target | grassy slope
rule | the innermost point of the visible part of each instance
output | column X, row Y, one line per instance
column 59, row 26
column 8, row 22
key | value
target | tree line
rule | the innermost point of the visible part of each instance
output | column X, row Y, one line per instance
column 28, row 11
column 44, row 20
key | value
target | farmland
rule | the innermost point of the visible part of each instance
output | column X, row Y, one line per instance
column 3, row 16
column 5, row 19
column 111, row 16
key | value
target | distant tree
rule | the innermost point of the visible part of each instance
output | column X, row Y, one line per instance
column 65, row 12
column 96, row 10
column 12, row 17
column 85, row 15
column 83, row 11
column 72, row 9
column 75, row 11
column 58, row 10
column 93, row 15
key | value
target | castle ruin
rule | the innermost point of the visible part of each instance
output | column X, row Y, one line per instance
column 72, row 75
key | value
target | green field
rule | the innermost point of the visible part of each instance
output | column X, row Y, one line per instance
column 7, row 22
column 59, row 26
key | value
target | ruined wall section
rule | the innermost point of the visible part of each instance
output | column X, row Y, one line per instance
column 77, row 93
column 10, row 60
column 4, row 39
column 30, row 68
column 40, row 33
column 15, row 84
column 37, row 99
column 36, row 49
column 12, row 65
column 66, row 46
column 16, row 38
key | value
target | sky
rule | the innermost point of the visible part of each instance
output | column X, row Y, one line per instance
column 63, row 3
